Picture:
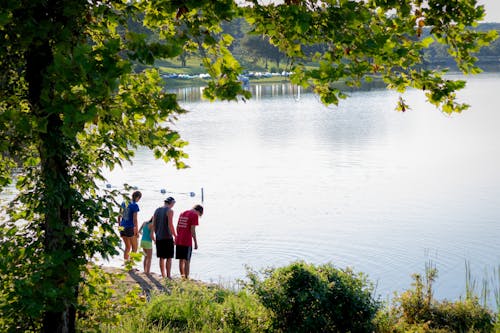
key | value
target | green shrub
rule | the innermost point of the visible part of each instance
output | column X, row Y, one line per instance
column 308, row 298
column 462, row 316
column 104, row 301
column 416, row 310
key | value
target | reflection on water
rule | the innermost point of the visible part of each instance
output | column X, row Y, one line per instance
column 194, row 94
column 262, row 91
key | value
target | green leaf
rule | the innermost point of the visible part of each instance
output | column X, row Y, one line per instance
column 426, row 42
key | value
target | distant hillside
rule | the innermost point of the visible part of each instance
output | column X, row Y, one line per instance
column 488, row 57
column 257, row 55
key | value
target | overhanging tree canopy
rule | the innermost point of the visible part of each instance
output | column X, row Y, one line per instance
column 72, row 104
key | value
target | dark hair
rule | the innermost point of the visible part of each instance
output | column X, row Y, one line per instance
column 198, row 208
column 169, row 200
column 136, row 195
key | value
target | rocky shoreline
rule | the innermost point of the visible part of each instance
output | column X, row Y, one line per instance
column 147, row 282
column 152, row 282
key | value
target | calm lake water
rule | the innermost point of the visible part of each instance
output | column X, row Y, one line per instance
column 360, row 185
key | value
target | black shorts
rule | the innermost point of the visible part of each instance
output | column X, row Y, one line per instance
column 165, row 248
column 183, row 252
column 127, row 232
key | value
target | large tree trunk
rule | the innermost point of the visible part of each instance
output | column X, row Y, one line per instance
column 61, row 322
column 61, row 273
column 63, row 276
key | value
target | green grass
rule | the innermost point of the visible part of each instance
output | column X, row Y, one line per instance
column 193, row 66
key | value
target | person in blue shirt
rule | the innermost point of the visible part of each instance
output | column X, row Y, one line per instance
column 128, row 224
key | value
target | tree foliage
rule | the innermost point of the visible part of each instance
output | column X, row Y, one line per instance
column 260, row 48
column 75, row 98
column 375, row 37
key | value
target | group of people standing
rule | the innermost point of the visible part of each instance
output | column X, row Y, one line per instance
column 159, row 229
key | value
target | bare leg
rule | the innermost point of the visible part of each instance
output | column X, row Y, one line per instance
column 133, row 242
column 182, row 267
column 162, row 267
column 147, row 260
column 186, row 268
column 128, row 245
column 169, row 267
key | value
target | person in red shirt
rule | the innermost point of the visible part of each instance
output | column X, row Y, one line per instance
column 186, row 233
